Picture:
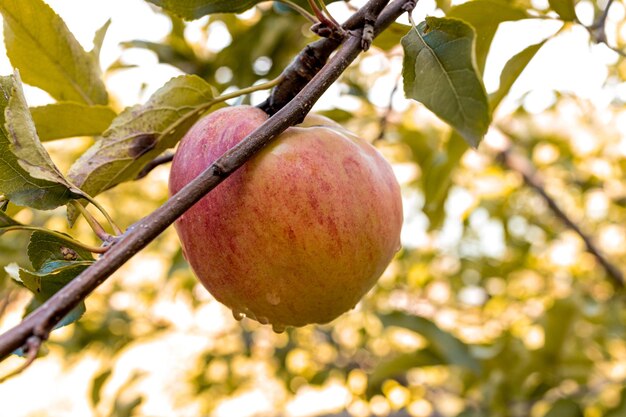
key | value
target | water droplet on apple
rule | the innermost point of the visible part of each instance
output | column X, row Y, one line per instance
column 273, row 298
column 238, row 315
column 278, row 328
column 250, row 314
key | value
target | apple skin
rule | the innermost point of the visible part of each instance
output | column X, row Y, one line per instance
column 299, row 233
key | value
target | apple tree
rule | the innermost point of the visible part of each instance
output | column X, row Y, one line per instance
column 504, row 299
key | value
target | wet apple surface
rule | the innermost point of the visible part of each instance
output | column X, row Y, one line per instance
column 301, row 232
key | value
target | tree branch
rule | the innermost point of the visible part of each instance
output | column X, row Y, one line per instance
column 597, row 30
column 42, row 320
column 314, row 56
column 519, row 164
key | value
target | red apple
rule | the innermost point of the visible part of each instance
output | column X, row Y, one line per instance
column 301, row 232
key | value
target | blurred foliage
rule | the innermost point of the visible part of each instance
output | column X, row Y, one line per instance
column 260, row 47
column 492, row 309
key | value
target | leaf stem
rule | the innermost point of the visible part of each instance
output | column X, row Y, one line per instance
column 325, row 10
column 299, row 9
column 58, row 235
column 411, row 21
column 93, row 223
column 106, row 215
column 263, row 86
column 321, row 16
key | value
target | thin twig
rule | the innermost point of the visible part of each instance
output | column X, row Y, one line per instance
column 601, row 20
column 143, row 232
column 313, row 57
column 159, row 160
column 33, row 344
column 384, row 120
column 597, row 30
column 518, row 163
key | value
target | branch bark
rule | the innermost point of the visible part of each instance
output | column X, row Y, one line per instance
column 42, row 320
column 313, row 57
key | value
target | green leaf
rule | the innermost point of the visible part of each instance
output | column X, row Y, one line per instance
column 439, row 71
column 25, row 143
column 44, row 247
column 195, row 9
column 511, row 72
column 97, row 384
column 564, row 8
column 98, row 40
column 47, row 281
column 338, row 115
column 141, row 133
column 391, row 36
column 69, row 119
column 39, row 43
column 565, row 408
column 485, row 16
column 73, row 316
column 16, row 183
column 442, row 343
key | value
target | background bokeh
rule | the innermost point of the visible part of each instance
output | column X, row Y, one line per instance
column 492, row 308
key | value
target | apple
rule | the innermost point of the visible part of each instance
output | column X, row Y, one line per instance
column 299, row 233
